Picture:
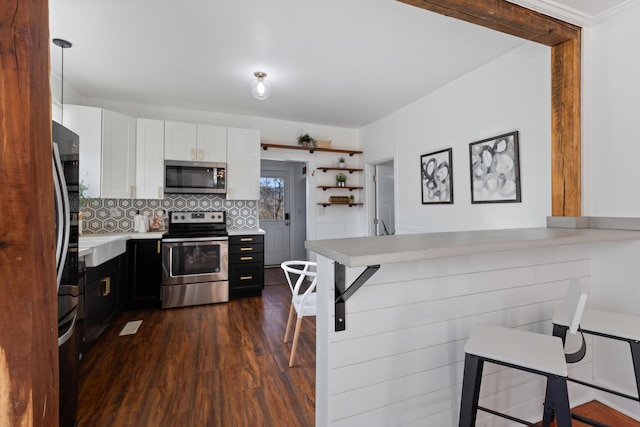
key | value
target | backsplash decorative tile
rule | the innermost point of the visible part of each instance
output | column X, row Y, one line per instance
column 116, row 215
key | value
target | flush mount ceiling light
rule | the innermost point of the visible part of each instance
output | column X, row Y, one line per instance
column 260, row 88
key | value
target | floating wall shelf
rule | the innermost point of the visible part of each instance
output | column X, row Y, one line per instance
column 266, row 146
column 351, row 170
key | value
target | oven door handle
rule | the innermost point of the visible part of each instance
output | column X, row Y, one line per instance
column 194, row 239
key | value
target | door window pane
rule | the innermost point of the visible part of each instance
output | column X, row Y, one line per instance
column 271, row 198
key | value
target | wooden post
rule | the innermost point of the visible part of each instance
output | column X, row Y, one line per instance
column 28, row 301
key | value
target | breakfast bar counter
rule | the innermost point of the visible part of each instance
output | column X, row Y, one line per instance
column 363, row 251
column 398, row 357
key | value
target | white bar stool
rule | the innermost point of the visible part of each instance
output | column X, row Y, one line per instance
column 605, row 324
column 525, row 351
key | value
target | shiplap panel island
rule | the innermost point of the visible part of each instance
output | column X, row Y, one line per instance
column 395, row 356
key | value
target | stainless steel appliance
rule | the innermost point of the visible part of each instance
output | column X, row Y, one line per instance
column 195, row 177
column 195, row 259
column 69, row 271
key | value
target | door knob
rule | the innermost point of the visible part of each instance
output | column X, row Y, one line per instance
column 286, row 223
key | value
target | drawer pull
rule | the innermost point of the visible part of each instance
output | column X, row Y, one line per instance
column 246, row 239
column 105, row 286
column 246, row 258
column 246, row 249
column 246, row 277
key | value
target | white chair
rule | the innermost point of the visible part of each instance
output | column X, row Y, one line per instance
column 527, row 351
column 606, row 324
column 303, row 300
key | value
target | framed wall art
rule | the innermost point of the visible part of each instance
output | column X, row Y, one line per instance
column 495, row 169
column 436, row 173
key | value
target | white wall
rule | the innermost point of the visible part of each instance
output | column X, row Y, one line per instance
column 611, row 98
column 610, row 153
column 508, row 94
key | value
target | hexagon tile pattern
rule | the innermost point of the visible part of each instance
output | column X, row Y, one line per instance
column 116, row 215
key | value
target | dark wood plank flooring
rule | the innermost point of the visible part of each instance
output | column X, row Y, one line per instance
column 212, row 365
column 603, row 414
column 215, row 365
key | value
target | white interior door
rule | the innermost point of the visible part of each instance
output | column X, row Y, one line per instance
column 384, row 197
column 274, row 215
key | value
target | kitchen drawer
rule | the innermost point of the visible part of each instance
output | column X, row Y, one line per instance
column 246, row 280
column 246, row 248
column 246, row 258
column 246, row 239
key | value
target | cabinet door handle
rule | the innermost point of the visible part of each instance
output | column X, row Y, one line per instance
column 158, row 249
column 132, row 191
column 246, row 239
column 160, row 192
column 246, row 258
column 199, row 154
column 246, row 277
column 246, row 249
column 105, row 286
column 193, row 154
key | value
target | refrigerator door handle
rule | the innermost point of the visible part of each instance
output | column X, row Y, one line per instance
column 65, row 337
column 64, row 220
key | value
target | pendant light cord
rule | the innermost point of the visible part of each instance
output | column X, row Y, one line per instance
column 63, row 45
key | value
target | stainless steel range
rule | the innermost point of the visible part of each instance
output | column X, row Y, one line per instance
column 195, row 259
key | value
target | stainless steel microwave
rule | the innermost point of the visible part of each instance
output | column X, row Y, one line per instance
column 185, row 177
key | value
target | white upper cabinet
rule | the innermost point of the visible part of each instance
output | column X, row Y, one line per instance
column 243, row 164
column 86, row 122
column 212, row 143
column 191, row 142
column 107, row 150
column 118, row 155
column 150, row 159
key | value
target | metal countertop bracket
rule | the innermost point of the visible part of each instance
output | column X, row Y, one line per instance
column 342, row 293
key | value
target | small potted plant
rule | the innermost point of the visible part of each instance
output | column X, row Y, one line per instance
column 352, row 199
column 341, row 162
column 341, row 180
column 306, row 140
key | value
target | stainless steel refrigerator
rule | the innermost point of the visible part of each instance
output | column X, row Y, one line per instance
column 66, row 160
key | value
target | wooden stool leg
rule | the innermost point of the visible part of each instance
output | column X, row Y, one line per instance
column 289, row 322
column 556, row 402
column 470, row 390
column 296, row 334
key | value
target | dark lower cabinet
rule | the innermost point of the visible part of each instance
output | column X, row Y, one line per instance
column 102, row 298
column 246, row 265
column 145, row 273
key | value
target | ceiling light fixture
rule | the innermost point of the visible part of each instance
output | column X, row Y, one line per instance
column 63, row 45
column 260, row 88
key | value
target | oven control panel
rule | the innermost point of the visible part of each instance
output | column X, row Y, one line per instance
column 200, row 217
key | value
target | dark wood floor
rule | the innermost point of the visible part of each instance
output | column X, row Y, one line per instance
column 603, row 414
column 215, row 365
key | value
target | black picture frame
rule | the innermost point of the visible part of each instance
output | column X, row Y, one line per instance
column 495, row 169
column 436, row 177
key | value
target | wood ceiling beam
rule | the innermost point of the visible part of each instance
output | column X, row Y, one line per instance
column 500, row 15
column 564, row 40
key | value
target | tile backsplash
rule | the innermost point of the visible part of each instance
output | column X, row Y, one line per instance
column 117, row 215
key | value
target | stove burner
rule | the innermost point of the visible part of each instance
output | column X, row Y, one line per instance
column 197, row 224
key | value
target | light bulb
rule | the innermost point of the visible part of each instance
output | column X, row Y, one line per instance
column 260, row 88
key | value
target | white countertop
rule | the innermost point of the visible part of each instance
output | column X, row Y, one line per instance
column 88, row 244
column 241, row 232
column 375, row 250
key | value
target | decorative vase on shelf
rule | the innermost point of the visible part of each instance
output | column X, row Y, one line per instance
column 341, row 163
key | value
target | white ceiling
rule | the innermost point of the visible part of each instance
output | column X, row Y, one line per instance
column 343, row 63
